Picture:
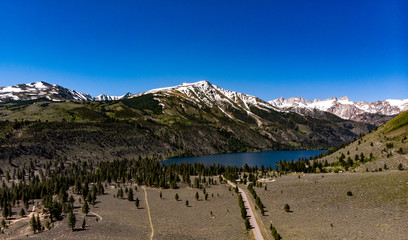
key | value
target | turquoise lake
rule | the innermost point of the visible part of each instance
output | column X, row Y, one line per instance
column 266, row 158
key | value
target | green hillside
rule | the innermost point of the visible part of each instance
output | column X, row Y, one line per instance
column 382, row 149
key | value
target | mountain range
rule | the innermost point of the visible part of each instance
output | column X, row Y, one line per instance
column 375, row 113
column 209, row 95
column 45, row 120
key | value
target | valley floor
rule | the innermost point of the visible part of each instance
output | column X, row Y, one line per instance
column 319, row 203
column 114, row 218
column 321, row 208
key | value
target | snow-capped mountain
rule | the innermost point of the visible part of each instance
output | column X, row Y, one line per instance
column 342, row 107
column 36, row 90
column 53, row 92
column 206, row 94
column 103, row 97
column 234, row 105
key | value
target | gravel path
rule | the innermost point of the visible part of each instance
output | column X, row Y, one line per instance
column 255, row 227
column 148, row 213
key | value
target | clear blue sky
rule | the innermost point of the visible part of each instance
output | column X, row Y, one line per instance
column 314, row 49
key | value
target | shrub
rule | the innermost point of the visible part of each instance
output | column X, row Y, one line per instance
column 247, row 224
column 400, row 167
column 286, row 208
column 349, row 193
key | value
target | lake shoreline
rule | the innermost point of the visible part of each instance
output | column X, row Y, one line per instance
column 265, row 158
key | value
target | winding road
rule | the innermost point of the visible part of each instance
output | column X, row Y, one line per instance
column 250, row 213
column 148, row 212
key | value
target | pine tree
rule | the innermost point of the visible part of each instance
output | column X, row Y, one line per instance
column 71, row 220
column 83, row 224
column 85, row 208
column 247, row 224
column 161, row 195
column 176, row 197
column 243, row 213
column 187, row 203
column 22, row 212
column 5, row 211
column 130, row 194
column 38, row 225
column 137, row 202
column 120, row 193
column 47, row 224
column 197, row 196
column 33, row 224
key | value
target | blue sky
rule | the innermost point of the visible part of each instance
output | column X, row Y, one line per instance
column 314, row 49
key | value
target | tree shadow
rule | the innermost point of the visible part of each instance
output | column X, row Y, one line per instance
column 80, row 229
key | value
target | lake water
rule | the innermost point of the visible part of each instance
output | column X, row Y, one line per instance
column 266, row 158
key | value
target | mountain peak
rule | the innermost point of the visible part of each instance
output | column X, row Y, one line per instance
column 345, row 98
column 202, row 82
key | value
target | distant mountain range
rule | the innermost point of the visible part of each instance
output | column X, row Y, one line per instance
column 376, row 113
column 206, row 94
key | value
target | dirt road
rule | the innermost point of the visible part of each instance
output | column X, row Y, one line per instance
column 255, row 227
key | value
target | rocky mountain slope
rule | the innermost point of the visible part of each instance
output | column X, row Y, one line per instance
column 376, row 113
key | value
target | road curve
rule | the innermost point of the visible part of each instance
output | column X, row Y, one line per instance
column 250, row 213
column 148, row 212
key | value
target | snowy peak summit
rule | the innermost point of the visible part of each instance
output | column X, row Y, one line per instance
column 36, row 90
column 205, row 93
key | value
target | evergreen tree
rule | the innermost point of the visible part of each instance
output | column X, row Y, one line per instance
column 286, row 208
column 33, row 224
column 197, row 196
column 130, row 194
column 161, row 195
column 5, row 211
column 187, row 203
column 85, row 208
column 137, row 202
column 120, row 193
column 22, row 212
column 47, row 224
column 247, row 224
column 243, row 213
column 176, row 197
column 71, row 220
column 38, row 223
column 83, row 224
